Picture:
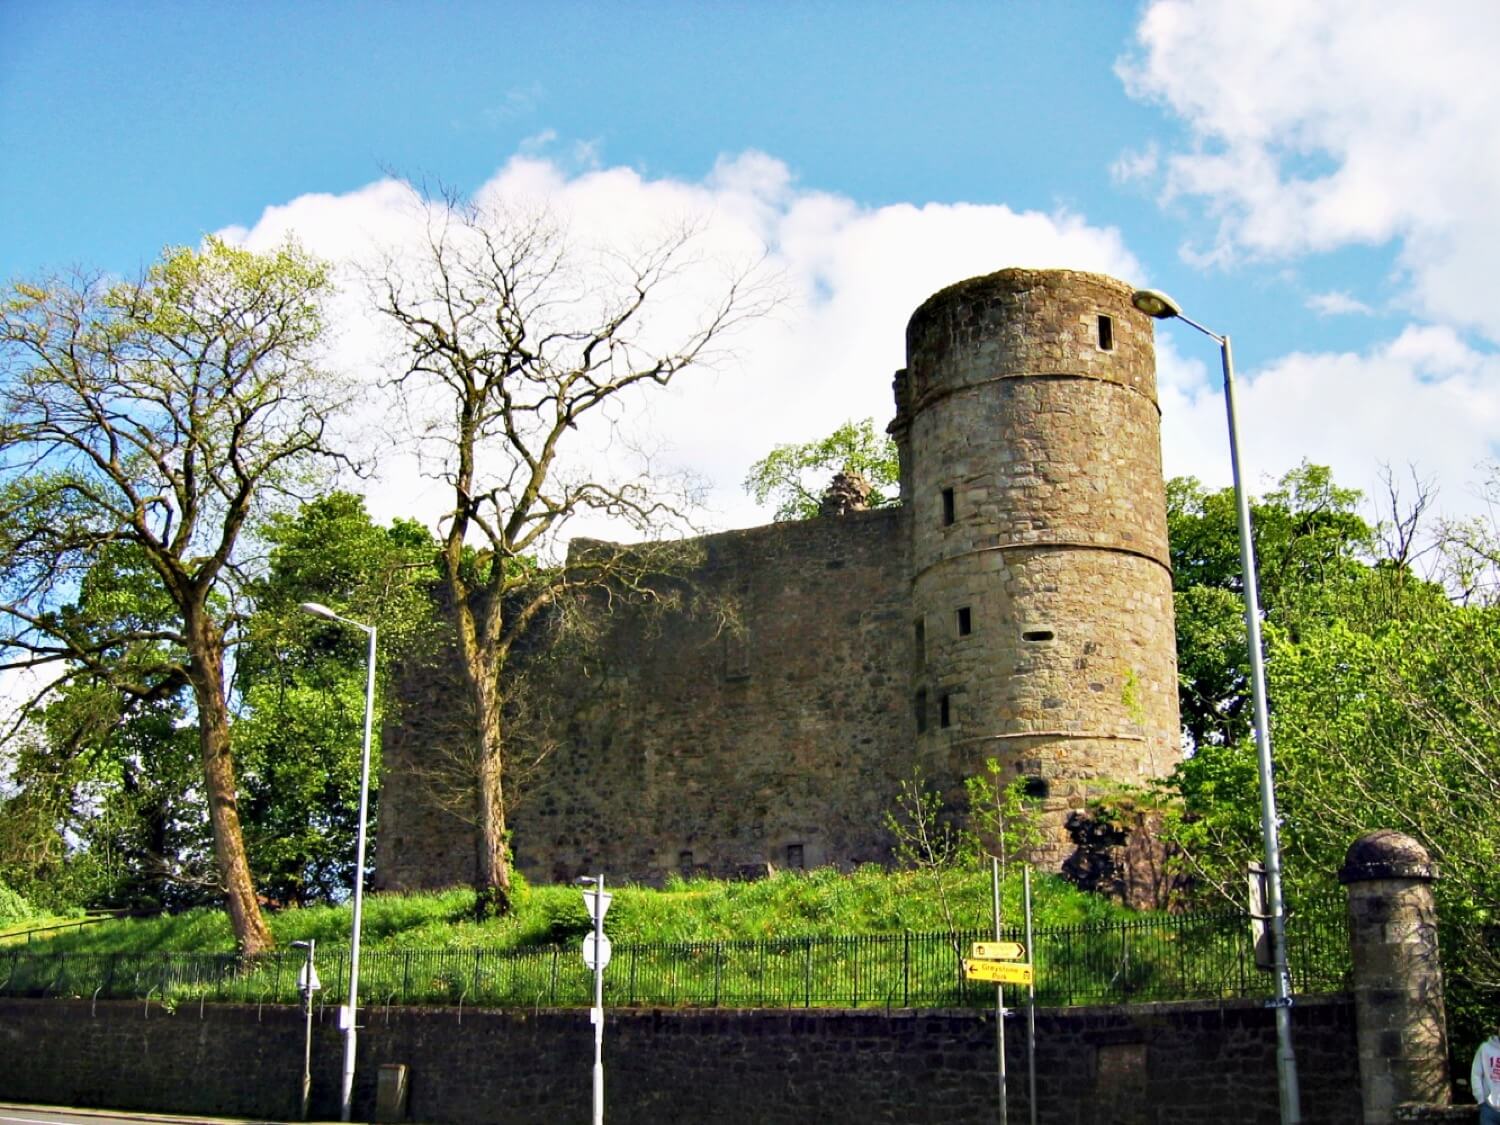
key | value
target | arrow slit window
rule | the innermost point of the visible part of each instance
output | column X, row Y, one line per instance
column 736, row 655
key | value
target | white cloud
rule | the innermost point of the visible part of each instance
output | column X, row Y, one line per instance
column 1134, row 166
column 853, row 276
column 1338, row 303
column 1322, row 125
column 1424, row 399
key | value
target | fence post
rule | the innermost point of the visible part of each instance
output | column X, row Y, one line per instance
column 553, row 999
column 857, row 942
column 807, row 975
column 718, row 969
column 906, row 969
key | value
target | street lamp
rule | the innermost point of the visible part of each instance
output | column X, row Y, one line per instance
column 1156, row 304
column 347, row 1017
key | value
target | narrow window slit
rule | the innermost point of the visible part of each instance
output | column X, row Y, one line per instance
column 965, row 621
column 948, row 507
column 1106, row 333
column 1037, row 635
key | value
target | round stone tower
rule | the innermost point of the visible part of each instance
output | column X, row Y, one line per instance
column 1042, row 593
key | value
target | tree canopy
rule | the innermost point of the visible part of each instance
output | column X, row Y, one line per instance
column 520, row 344
column 793, row 476
column 143, row 426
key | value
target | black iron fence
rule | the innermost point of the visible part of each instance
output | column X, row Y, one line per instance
column 1190, row 956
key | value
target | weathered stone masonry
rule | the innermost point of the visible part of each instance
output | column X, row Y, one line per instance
column 1143, row 1065
column 1015, row 606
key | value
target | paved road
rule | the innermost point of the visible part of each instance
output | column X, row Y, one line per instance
column 57, row 1115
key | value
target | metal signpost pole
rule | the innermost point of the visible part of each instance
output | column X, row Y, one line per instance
column 999, row 991
column 596, row 952
column 307, row 982
column 1030, row 1004
column 599, row 1004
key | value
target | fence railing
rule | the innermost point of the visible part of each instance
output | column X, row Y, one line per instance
column 1192, row 956
column 55, row 928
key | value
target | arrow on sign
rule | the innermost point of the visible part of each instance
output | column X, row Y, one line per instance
column 998, row 951
column 997, row 972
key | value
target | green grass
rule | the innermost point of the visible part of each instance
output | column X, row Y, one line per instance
column 823, row 937
column 823, row 902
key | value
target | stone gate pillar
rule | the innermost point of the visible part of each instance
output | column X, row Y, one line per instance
column 1398, row 979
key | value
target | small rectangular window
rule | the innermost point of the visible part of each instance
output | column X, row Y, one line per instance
column 736, row 654
column 945, row 711
column 965, row 621
column 794, row 859
column 948, row 508
column 920, row 706
column 685, row 862
column 920, row 629
column 1106, row 333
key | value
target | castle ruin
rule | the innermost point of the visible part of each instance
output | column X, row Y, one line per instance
column 1016, row 605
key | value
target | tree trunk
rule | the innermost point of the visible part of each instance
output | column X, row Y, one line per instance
column 206, row 650
column 491, row 859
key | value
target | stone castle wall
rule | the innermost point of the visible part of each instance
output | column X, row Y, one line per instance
column 1111, row 1066
column 692, row 746
column 1016, row 606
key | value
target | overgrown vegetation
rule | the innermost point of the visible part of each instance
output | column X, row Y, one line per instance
column 13, row 908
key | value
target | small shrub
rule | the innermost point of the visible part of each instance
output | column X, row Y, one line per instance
column 13, row 908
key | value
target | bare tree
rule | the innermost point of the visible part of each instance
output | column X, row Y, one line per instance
column 152, row 420
column 522, row 350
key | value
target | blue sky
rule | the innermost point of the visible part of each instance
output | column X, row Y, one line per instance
column 1312, row 179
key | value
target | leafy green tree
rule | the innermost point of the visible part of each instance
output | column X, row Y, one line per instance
column 157, row 419
column 793, row 476
column 1311, row 545
column 302, row 685
column 1385, row 707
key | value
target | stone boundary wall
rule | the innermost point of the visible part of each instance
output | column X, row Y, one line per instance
column 1120, row 1065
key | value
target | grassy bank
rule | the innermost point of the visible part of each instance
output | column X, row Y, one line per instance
column 789, row 905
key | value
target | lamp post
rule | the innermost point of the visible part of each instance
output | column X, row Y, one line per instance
column 347, row 1016
column 1158, row 305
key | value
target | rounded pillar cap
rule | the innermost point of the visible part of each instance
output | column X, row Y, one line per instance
column 1387, row 854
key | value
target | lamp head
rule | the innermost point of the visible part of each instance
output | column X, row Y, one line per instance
column 1155, row 303
column 301, row 945
column 317, row 609
column 586, row 880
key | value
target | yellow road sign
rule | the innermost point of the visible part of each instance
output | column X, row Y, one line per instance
column 997, row 972
column 998, row 951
